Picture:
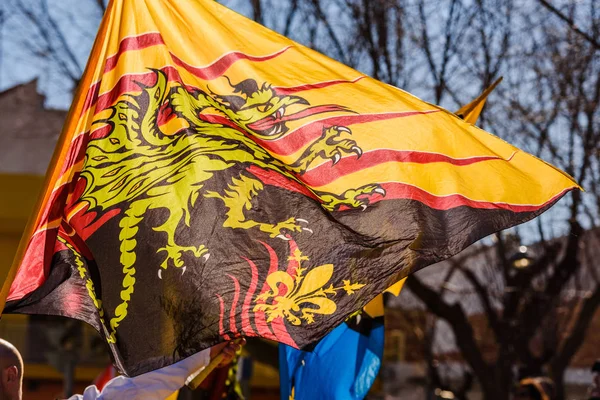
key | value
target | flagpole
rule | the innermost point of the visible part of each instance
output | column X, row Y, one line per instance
column 198, row 379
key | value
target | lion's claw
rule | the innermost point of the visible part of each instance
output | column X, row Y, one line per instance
column 332, row 145
column 282, row 229
column 183, row 269
column 353, row 198
column 336, row 158
column 175, row 254
column 357, row 150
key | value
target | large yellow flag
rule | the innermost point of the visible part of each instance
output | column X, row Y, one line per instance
column 215, row 179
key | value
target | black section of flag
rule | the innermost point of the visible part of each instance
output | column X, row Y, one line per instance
column 181, row 312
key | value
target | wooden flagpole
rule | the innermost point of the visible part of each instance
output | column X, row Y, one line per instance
column 198, row 379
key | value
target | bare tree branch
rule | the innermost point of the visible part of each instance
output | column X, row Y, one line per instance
column 290, row 17
column 257, row 14
column 341, row 54
column 49, row 31
column 483, row 295
column 571, row 23
column 463, row 331
column 573, row 342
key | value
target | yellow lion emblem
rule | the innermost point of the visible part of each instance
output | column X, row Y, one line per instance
column 137, row 167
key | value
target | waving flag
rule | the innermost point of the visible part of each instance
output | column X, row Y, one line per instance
column 215, row 179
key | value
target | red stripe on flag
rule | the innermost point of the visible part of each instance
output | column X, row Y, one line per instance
column 281, row 332
column 298, row 138
column 261, row 325
column 327, row 173
column 130, row 83
column 273, row 263
column 211, row 71
column 246, row 326
column 127, row 83
column 91, row 97
column 35, row 265
column 403, row 191
column 293, row 263
column 220, row 66
column 221, row 317
column 399, row 190
column 259, row 316
column 310, row 86
column 277, row 179
column 133, row 43
column 236, row 297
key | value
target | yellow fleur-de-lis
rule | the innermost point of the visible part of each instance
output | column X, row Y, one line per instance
column 351, row 287
column 303, row 295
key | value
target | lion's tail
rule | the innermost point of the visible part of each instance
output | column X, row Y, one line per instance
column 128, row 226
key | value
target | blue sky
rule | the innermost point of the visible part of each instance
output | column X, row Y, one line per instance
column 22, row 55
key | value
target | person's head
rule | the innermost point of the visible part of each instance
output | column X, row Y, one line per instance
column 11, row 370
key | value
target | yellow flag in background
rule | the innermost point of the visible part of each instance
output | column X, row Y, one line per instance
column 470, row 112
column 396, row 288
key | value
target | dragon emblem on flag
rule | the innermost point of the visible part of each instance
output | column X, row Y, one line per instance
column 137, row 166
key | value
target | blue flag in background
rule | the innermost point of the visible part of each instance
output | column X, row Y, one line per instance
column 343, row 365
